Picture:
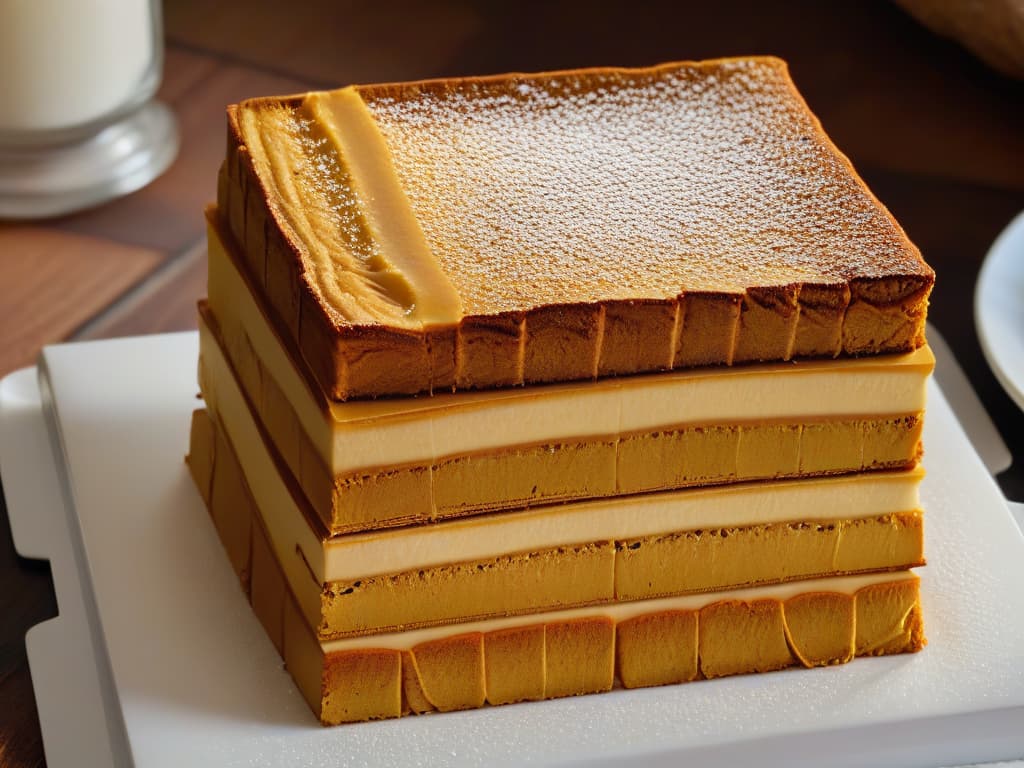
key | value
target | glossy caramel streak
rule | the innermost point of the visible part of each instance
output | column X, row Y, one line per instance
column 326, row 215
column 409, row 272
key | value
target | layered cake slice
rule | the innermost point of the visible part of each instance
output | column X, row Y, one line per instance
column 476, row 429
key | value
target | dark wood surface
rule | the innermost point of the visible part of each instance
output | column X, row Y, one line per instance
column 935, row 134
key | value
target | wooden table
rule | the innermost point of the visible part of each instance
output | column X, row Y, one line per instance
column 937, row 136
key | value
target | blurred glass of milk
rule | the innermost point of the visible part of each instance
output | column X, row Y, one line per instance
column 77, row 125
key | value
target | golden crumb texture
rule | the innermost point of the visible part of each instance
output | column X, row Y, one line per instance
column 540, row 659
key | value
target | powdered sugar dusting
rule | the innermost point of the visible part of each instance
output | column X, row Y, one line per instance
column 615, row 184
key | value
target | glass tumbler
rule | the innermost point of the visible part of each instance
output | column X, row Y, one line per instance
column 78, row 123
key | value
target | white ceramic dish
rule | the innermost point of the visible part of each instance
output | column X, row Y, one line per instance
column 192, row 680
column 999, row 309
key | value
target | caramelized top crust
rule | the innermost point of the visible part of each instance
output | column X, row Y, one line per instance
column 482, row 196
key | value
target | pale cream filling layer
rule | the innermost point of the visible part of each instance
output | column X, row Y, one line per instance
column 355, row 556
column 845, row 585
column 381, row 433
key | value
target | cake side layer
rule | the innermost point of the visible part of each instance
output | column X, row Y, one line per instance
column 652, row 642
column 294, row 524
column 548, row 473
column 609, row 295
column 526, row 582
column 555, row 657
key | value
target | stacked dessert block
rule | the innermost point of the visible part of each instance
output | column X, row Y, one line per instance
column 530, row 386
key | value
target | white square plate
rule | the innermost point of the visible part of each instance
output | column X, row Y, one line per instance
column 193, row 680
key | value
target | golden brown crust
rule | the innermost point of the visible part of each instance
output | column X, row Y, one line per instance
column 767, row 324
column 515, row 665
column 507, row 585
column 451, row 671
column 760, row 624
column 701, row 558
column 267, row 589
column 231, row 506
column 889, row 619
column 639, row 335
column 562, row 342
column 531, row 475
column 579, row 657
column 223, row 489
column 820, row 320
column 570, row 658
column 820, row 628
column 657, row 649
column 880, row 309
column 413, row 697
column 361, row 685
